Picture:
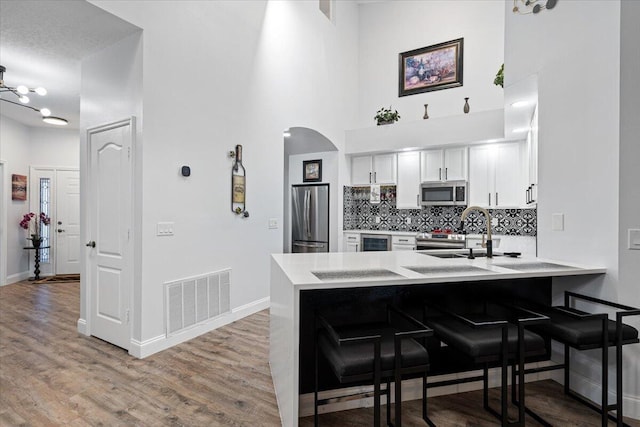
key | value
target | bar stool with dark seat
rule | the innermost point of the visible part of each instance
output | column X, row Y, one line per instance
column 374, row 350
column 491, row 336
column 581, row 330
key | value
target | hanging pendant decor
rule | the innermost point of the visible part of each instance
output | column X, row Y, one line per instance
column 238, row 184
column 426, row 114
column 466, row 106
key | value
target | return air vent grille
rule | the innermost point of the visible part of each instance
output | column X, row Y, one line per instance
column 197, row 299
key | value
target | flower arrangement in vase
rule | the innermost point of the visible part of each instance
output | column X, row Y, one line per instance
column 38, row 222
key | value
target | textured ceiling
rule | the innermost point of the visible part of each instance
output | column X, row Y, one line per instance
column 42, row 44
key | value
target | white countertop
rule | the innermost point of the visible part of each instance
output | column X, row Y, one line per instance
column 299, row 268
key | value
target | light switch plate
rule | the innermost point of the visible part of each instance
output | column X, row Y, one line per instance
column 634, row 238
column 164, row 229
column 557, row 222
column 273, row 223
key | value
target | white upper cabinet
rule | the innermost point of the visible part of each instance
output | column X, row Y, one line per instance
column 444, row 165
column 408, row 188
column 497, row 175
column 378, row 169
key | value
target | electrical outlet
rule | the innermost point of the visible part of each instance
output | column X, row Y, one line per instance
column 407, row 220
column 377, row 220
column 273, row 223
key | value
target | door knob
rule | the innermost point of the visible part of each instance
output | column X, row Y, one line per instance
column 60, row 230
column 91, row 244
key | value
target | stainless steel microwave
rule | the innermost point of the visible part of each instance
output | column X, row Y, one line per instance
column 450, row 193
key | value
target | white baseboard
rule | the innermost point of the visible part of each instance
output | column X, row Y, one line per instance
column 82, row 327
column 18, row 277
column 142, row 349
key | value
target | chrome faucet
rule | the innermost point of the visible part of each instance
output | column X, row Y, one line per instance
column 489, row 243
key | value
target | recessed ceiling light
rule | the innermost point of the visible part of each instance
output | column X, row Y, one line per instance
column 45, row 112
column 55, row 121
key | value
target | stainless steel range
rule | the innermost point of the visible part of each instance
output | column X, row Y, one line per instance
column 440, row 240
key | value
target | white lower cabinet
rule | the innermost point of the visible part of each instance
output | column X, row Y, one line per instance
column 403, row 243
column 351, row 242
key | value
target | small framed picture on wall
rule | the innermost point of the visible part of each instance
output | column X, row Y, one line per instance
column 18, row 187
column 312, row 170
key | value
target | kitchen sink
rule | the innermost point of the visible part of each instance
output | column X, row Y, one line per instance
column 354, row 274
column 459, row 255
column 535, row 265
column 448, row 269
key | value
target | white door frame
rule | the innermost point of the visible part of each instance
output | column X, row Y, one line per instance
column 85, row 275
column 4, row 193
column 36, row 172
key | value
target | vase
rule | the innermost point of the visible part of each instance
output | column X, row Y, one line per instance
column 36, row 241
column 466, row 106
column 426, row 114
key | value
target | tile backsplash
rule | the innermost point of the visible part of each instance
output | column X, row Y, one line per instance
column 361, row 214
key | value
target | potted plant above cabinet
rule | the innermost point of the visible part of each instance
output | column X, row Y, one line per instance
column 448, row 164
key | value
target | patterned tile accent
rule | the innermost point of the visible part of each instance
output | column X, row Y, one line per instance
column 360, row 214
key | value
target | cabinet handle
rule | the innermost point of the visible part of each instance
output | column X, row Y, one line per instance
column 369, row 177
column 446, row 174
column 527, row 195
column 497, row 199
column 375, row 177
column 532, row 199
column 489, row 199
column 440, row 174
column 403, row 240
column 417, row 200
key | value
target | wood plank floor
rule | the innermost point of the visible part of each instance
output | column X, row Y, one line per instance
column 52, row 376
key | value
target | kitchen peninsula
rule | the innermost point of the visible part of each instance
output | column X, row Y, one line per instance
column 302, row 283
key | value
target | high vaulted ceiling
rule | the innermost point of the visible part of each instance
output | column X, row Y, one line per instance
column 43, row 42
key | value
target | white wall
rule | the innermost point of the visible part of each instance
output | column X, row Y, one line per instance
column 217, row 74
column 54, row 147
column 110, row 89
column 389, row 28
column 14, row 149
column 579, row 150
column 629, row 215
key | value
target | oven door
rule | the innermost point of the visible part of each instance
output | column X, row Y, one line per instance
column 375, row 242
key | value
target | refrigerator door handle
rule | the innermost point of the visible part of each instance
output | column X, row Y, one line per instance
column 307, row 213
column 309, row 245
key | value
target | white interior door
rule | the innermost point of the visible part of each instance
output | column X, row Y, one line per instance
column 67, row 226
column 110, row 218
column 3, row 224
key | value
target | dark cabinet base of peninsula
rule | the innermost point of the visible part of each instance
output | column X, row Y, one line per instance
column 349, row 304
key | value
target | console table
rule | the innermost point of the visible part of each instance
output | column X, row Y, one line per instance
column 36, row 270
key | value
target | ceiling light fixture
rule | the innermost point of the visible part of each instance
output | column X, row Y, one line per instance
column 532, row 6
column 21, row 92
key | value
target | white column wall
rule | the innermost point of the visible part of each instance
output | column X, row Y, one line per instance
column 217, row 74
column 575, row 51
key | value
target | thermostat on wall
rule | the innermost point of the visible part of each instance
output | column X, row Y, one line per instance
column 185, row 171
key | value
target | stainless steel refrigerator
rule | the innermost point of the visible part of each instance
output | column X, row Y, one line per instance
column 310, row 218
